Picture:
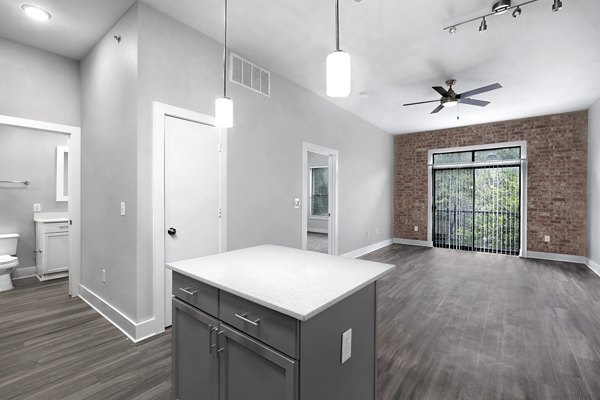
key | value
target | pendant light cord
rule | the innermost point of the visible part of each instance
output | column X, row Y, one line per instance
column 337, row 25
column 225, row 56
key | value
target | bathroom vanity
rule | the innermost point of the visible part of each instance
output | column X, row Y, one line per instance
column 274, row 323
column 51, row 245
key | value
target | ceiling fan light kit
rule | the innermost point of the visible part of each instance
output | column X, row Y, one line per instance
column 500, row 7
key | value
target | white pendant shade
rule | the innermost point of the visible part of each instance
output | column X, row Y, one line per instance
column 339, row 79
column 224, row 112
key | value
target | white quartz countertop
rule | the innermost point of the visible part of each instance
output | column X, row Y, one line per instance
column 294, row 282
column 46, row 217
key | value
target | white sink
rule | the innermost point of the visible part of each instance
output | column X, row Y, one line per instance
column 51, row 217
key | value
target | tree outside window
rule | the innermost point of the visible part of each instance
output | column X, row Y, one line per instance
column 319, row 192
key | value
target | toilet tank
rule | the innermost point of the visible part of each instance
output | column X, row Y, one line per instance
column 8, row 244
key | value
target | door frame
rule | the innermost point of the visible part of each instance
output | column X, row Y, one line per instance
column 74, row 205
column 522, row 162
column 333, row 156
column 162, row 111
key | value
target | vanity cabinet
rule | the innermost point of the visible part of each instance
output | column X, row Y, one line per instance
column 52, row 247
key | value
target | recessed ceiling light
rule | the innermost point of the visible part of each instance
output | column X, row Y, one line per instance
column 364, row 95
column 37, row 13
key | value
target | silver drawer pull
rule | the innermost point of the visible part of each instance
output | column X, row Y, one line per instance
column 243, row 318
column 188, row 291
column 63, row 227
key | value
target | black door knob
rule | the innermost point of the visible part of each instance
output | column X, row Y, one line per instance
column 172, row 231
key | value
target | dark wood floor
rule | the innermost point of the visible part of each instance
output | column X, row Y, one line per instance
column 452, row 325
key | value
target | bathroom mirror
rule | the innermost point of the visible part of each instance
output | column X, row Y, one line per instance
column 62, row 171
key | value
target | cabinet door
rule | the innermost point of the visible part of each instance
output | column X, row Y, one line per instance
column 56, row 252
column 251, row 370
column 195, row 363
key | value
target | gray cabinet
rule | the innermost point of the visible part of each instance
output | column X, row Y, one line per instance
column 245, row 351
column 195, row 363
column 252, row 371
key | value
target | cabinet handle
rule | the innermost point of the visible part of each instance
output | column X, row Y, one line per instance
column 219, row 350
column 188, row 291
column 63, row 227
column 210, row 335
column 243, row 318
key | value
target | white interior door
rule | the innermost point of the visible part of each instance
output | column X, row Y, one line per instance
column 192, row 194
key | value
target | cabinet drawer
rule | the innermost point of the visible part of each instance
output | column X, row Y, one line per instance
column 270, row 327
column 196, row 293
column 55, row 227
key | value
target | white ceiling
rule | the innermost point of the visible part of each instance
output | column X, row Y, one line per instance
column 547, row 62
column 75, row 27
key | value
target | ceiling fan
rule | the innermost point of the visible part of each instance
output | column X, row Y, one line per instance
column 450, row 98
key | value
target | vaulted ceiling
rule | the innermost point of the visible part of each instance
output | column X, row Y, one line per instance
column 547, row 62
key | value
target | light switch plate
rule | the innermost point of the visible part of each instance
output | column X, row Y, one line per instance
column 296, row 203
column 547, row 239
column 346, row 345
column 37, row 207
column 123, row 208
column 416, row 228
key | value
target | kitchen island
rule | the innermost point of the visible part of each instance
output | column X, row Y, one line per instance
column 274, row 323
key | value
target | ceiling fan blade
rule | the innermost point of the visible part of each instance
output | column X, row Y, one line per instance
column 437, row 109
column 473, row 102
column 422, row 102
column 480, row 90
column 440, row 90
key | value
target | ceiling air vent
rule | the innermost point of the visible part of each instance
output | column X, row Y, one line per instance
column 249, row 75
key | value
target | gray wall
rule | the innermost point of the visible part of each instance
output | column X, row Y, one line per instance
column 27, row 154
column 594, row 183
column 181, row 67
column 316, row 224
column 38, row 85
column 109, row 166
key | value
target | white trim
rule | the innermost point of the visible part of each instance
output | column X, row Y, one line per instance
column 368, row 249
column 523, row 164
column 24, row 272
column 160, row 112
column 74, row 206
column 410, row 242
column 317, row 230
column 60, row 173
column 333, row 193
column 594, row 266
column 135, row 331
column 557, row 257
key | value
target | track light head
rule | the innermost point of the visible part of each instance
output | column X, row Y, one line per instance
column 517, row 12
column 557, row 5
column 483, row 26
column 452, row 30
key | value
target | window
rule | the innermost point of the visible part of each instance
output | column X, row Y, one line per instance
column 319, row 192
column 465, row 157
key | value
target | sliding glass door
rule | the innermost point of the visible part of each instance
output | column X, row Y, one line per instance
column 476, row 203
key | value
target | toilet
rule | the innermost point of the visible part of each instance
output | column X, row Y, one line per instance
column 8, row 259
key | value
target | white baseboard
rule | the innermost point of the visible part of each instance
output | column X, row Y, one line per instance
column 24, row 272
column 135, row 331
column 594, row 266
column 367, row 249
column 557, row 257
column 317, row 230
column 423, row 243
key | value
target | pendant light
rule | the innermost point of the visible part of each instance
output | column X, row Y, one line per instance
column 224, row 105
column 338, row 65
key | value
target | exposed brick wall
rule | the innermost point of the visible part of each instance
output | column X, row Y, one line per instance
column 557, row 176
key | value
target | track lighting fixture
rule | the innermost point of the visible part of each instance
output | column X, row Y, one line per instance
column 483, row 26
column 557, row 5
column 500, row 7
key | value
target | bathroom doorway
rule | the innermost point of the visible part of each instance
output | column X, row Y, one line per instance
column 42, row 185
column 319, row 199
